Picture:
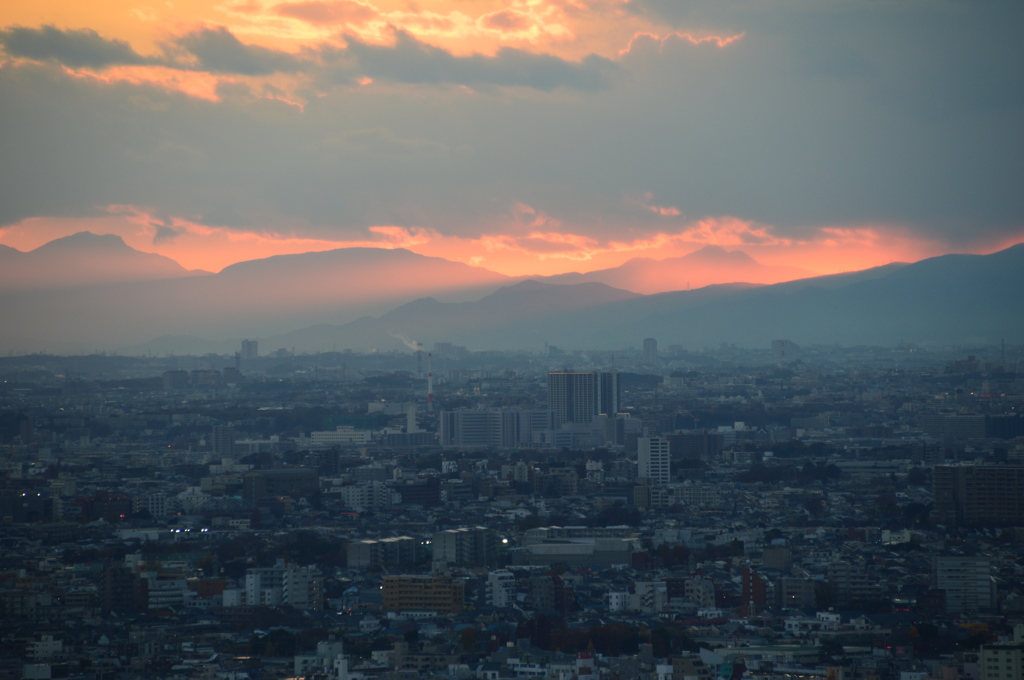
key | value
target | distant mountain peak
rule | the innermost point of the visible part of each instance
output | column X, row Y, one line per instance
column 85, row 239
column 528, row 284
column 84, row 259
column 714, row 253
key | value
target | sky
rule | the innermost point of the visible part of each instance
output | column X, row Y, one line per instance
column 525, row 136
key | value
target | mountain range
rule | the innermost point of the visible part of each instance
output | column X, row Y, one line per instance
column 362, row 298
column 705, row 267
column 954, row 299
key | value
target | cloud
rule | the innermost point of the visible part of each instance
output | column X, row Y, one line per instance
column 76, row 48
column 338, row 12
column 645, row 38
column 165, row 234
column 211, row 50
column 506, row 20
column 822, row 114
column 412, row 61
column 219, row 51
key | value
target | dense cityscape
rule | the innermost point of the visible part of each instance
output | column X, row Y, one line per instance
column 849, row 513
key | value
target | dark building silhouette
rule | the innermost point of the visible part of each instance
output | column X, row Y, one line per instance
column 222, row 441
column 294, row 482
column 123, row 590
column 978, row 495
column 650, row 351
column 695, row 445
column 755, row 591
column 426, row 492
column 175, row 380
column 549, row 592
column 250, row 350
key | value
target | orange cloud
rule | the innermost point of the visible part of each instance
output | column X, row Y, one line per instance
column 193, row 83
column 729, row 231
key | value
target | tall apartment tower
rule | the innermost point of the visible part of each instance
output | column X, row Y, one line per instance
column 578, row 397
column 607, row 393
column 979, row 495
column 250, row 350
column 653, row 459
column 223, row 441
column 650, row 351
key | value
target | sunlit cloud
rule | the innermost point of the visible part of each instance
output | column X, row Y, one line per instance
column 729, row 231
column 661, row 41
column 464, row 28
column 646, row 202
column 198, row 84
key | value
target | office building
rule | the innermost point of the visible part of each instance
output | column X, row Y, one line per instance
column 284, row 584
column 1003, row 660
column 294, row 482
column 578, row 397
column 222, row 441
column 650, row 351
column 440, row 594
column 501, row 588
column 250, row 350
column 343, row 435
column 465, row 546
column 653, row 460
column 979, row 495
column 383, row 552
column 495, row 428
column 696, row 445
column 967, row 582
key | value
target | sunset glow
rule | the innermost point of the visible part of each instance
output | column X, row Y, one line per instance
column 211, row 248
column 528, row 137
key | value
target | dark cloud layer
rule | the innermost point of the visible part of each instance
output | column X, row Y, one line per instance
column 76, row 48
column 408, row 60
column 412, row 61
column 823, row 114
column 219, row 51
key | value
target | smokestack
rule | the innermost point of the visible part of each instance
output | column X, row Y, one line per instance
column 430, row 383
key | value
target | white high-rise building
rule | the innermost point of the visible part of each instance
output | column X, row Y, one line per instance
column 501, row 588
column 653, row 460
column 299, row 587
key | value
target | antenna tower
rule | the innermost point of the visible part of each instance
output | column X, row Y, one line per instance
column 430, row 383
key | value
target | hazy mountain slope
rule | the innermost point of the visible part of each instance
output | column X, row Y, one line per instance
column 83, row 259
column 513, row 313
column 341, row 299
column 255, row 298
column 952, row 299
column 708, row 266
